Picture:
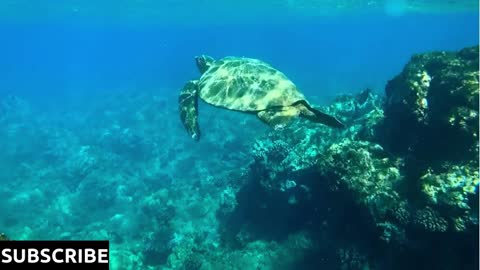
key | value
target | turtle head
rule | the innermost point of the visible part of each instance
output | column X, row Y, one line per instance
column 203, row 62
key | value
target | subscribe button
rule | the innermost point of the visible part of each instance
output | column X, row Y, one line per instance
column 54, row 255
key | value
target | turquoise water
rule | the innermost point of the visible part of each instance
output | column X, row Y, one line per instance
column 92, row 146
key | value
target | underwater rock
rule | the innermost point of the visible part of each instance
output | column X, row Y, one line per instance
column 430, row 220
column 305, row 175
column 228, row 201
column 453, row 192
column 125, row 259
column 361, row 113
column 401, row 176
column 192, row 250
column 192, row 263
column 365, row 170
column 267, row 255
column 281, row 180
column 3, row 237
column 157, row 246
column 434, row 103
column 158, row 206
column 299, row 145
column 80, row 164
column 453, row 187
column 352, row 259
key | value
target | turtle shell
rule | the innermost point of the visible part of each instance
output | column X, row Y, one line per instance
column 246, row 84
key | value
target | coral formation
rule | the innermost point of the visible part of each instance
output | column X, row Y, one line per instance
column 454, row 187
column 408, row 162
column 365, row 170
column 434, row 103
column 299, row 145
column 429, row 220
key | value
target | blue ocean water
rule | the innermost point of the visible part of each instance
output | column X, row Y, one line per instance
column 323, row 56
column 92, row 146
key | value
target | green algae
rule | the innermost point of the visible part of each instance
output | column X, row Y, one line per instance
column 365, row 171
column 453, row 187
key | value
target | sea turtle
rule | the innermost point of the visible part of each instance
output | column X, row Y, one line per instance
column 246, row 85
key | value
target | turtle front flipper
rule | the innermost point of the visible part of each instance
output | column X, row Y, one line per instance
column 188, row 107
column 306, row 111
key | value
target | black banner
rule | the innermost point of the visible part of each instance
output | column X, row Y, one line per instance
column 54, row 254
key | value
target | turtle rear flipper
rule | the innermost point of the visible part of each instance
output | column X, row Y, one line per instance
column 317, row 116
column 188, row 107
column 278, row 117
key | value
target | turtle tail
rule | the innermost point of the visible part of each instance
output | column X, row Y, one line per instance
column 188, row 107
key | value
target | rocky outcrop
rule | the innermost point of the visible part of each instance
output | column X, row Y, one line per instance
column 402, row 176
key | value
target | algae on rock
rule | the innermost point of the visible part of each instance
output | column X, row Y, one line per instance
column 365, row 170
column 434, row 103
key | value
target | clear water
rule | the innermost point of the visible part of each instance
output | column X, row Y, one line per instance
column 80, row 47
column 98, row 83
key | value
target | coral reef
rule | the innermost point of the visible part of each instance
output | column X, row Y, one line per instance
column 434, row 103
column 365, row 170
column 127, row 177
column 454, row 187
column 396, row 189
column 429, row 220
column 299, row 145
column 405, row 170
